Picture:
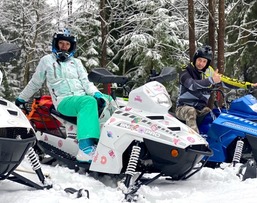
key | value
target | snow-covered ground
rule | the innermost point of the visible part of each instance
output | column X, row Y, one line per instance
column 208, row 185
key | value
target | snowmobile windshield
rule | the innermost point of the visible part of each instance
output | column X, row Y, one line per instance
column 8, row 52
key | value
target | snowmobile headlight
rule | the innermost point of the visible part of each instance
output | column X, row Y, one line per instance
column 174, row 153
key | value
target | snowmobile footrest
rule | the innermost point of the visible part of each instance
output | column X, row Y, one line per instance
column 139, row 182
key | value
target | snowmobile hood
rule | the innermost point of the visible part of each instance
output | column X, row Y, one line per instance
column 161, row 128
column 12, row 116
column 237, row 123
column 152, row 97
column 246, row 104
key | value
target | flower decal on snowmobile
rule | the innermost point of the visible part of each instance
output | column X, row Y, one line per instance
column 175, row 141
column 95, row 157
column 71, row 128
column 103, row 160
column 60, row 143
column 136, row 120
column 154, row 127
column 112, row 154
column 169, row 115
column 191, row 139
column 159, row 88
column 45, row 138
column 140, row 130
column 128, row 108
column 109, row 134
column 138, row 98
column 134, row 127
column 112, row 120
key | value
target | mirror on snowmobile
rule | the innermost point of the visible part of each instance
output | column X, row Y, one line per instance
column 167, row 74
column 102, row 75
column 8, row 51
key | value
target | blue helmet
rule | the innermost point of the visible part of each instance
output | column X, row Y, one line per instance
column 65, row 34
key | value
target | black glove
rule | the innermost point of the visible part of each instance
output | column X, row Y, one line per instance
column 100, row 100
column 19, row 102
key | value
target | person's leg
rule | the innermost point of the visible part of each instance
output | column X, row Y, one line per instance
column 88, row 128
column 188, row 114
column 204, row 111
column 85, row 109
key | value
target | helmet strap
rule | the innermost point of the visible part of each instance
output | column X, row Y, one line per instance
column 62, row 56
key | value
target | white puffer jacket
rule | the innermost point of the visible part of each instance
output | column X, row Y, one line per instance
column 63, row 79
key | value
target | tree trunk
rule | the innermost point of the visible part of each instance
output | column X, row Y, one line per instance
column 104, row 40
column 212, row 27
column 212, row 31
column 191, row 26
column 221, row 37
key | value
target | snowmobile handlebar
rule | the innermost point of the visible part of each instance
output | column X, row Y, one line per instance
column 231, row 95
column 102, row 75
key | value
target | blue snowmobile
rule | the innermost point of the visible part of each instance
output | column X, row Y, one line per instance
column 242, row 104
column 230, row 134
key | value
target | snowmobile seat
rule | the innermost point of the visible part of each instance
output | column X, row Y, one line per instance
column 14, row 144
column 73, row 119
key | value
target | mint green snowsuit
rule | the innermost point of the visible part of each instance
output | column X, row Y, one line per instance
column 71, row 92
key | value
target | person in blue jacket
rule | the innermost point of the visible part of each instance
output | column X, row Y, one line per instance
column 195, row 80
column 71, row 91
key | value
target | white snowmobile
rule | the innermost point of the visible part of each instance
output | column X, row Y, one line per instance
column 140, row 137
column 17, row 136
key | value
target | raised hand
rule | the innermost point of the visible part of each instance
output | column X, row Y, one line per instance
column 216, row 76
column 254, row 85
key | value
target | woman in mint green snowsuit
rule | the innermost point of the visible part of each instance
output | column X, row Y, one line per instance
column 71, row 91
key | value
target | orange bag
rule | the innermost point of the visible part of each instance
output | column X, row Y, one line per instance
column 40, row 113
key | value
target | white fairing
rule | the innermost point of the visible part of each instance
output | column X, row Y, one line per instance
column 12, row 116
column 145, row 117
column 156, row 95
column 67, row 143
